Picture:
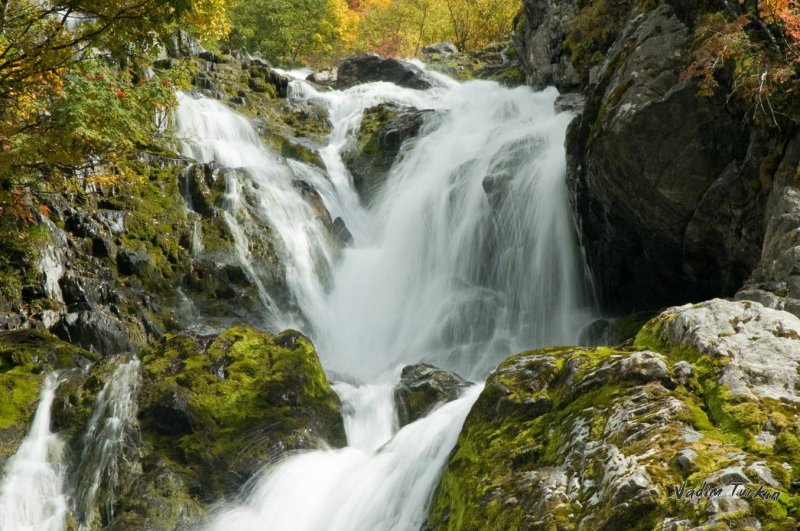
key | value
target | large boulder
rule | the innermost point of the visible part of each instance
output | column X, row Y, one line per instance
column 221, row 406
column 567, row 438
column 669, row 188
column 384, row 130
column 368, row 68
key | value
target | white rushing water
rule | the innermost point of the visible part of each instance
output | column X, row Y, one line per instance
column 108, row 441
column 31, row 492
column 467, row 254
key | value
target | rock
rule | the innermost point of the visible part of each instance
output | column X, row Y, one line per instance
column 324, row 77
column 443, row 48
column 384, row 131
column 201, row 186
column 369, row 68
column 134, row 263
column 184, row 45
column 683, row 372
column 314, row 200
column 223, row 405
column 211, row 57
column 661, row 178
column 539, row 41
column 497, row 62
column 571, row 102
column 422, row 388
column 576, row 438
column 761, row 346
column 775, row 282
column 341, row 232
column 98, row 331
column 686, row 459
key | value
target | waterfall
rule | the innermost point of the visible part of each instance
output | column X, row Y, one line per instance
column 353, row 489
column 468, row 255
column 31, row 492
column 110, row 438
column 262, row 188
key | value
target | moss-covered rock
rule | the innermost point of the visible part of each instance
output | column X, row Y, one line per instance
column 567, row 438
column 219, row 407
column 384, row 130
column 497, row 62
column 423, row 387
column 24, row 358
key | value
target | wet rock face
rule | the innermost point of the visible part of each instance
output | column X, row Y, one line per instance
column 422, row 388
column 539, row 41
column 601, row 438
column 662, row 179
column 368, row 68
column 775, row 281
column 384, row 130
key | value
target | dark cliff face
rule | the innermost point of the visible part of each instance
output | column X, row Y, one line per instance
column 671, row 189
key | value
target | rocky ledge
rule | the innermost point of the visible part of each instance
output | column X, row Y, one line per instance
column 604, row 438
column 201, row 413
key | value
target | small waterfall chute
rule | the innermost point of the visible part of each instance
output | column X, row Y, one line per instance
column 32, row 489
column 110, row 441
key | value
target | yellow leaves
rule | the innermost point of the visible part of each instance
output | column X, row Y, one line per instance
column 209, row 18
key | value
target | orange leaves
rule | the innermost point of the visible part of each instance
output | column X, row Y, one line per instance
column 785, row 13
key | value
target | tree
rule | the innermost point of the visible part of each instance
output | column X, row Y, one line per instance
column 287, row 31
column 44, row 45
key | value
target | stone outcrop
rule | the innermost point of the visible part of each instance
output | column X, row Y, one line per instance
column 368, row 68
column 384, row 131
column 541, row 30
column 602, row 438
column 422, row 388
column 670, row 189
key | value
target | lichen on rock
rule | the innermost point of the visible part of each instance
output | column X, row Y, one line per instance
column 566, row 438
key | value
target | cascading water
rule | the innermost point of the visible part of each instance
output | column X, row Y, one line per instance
column 468, row 255
column 31, row 492
column 109, row 441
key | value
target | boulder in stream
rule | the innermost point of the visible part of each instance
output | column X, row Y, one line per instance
column 423, row 387
column 601, row 438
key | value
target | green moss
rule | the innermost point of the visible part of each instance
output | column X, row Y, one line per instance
column 522, row 422
column 24, row 358
column 594, row 30
column 247, row 395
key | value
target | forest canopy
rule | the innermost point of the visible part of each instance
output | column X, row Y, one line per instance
column 319, row 31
